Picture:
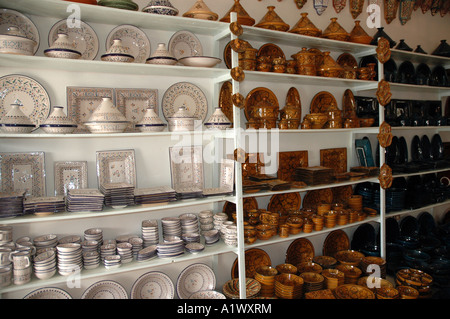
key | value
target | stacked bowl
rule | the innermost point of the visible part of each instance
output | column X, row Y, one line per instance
column 333, row 278
column 265, row 275
column 288, row 286
column 312, row 281
column 70, row 259
column 45, row 264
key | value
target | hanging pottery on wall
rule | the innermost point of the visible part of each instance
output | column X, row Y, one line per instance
column 417, row 4
column 436, row 6
column 320, row 6
column 445, row 8
column 426, row 5
column 356, row 7
column 338, row 5
column 390, row 10
column 300, row 3
column 406, row 9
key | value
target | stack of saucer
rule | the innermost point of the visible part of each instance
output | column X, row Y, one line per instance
column 44, row 205
column 211, row 236
column 223, row 228
column 11, row 204
column 172, row 247
column 118, row 195
column 218, row 219
column 94, row 234
column 91, row 259
column 125, row 252
column 146, row 253
column 189, row 223
column 45, row 264
column 150, row 232
column 312, row 281
column 112, row 261
column 205, row 218
column 137, row 244
column 190, row 238
column 107, row 250
column 70, row 258
column 89, row 245
column 171, row 226
column 84, row 200
column 230, row 235
column 45, row 241
column 194, row 248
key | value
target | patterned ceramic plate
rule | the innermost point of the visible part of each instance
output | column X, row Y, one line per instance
column 225, row 101
column 322, row 102
column 116, row 167
column 23, row 172
column 254, row 258
column 300, row 250
column 257, row 95
column 10, row 17
column 48, row 293
column 153, row 285
column 185, row 43
column 105, row 289
column 133, row 38
column 195, row 278
column 84, row 37
column 336, row 241
column 31, row 94
column 70, row 175
column 284, row 203
column 208, row 294
column 187, row 94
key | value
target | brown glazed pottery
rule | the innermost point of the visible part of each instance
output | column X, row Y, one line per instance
column 242, row 15
column 306, row 62
column 358, row 35
column 304, row 26
column 329, row 67
column 356, row 7
column 335, row 31
column 384, row 92
column 200, row 11
column 272, row 21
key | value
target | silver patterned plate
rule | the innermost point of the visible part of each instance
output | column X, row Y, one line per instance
column 48, row 293
column 188, row 95
column 195, row 278
column 10, row 17
column 105, row 289
column 208, row 294
column 70, row 175
column 31, row 94
column 185, row 43
column 134, row 39
column 116, row 167
column 82, row 35
column 153, row 285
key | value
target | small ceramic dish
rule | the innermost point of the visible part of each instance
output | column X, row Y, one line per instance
column 200, row 61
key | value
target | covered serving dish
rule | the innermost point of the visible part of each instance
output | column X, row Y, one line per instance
column 58, row 122
column 150, row 122
column 15, row 121
column 181, row 121
column 14, row 41
column 106, row 118
column 62, row 48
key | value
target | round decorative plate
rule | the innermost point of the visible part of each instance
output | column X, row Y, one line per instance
column 342, row 193
column 226, row 101
column 257, row 95
column 347, row 60
column 351, row 291
column 300, row 250
column 48, row 293
column 31, row 94
column 133, row 38
column 336, row 241
column 10, row 17
column 315, row 197
column 284, row 203
column 207, row 294
column 183, row 44
column 348, row 104
column 293, row 98
column 105, row 289
column 84, row 37
column 322, row 102
column 187, row 94
column 153, row 285
column 271, row 50
column 249, row 203
column 254, row 258
column 195, row 278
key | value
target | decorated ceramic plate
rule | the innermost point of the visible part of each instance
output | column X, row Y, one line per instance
column 116, row 167
column 105, row 289
column 336, row 241
column 133, row 38
column 32, row 95
column 271, row 50
column 153, row 285
column 207, row 294
column 293, row 98
column 284, row 203
column 84, row 37
column 225, row 100
column 300, row 250
column 48, row 293
column 348, row 104
column 315, row 197
column 188, row 95
column 257, row 95
column 347, row 60
column 183, row 44
column 341, row 194
column 10, row 17
column 195, row 278
column 254, row 258
column 322, row 102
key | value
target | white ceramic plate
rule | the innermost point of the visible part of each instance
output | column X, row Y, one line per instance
column 84, row 37
column 48, row 293
column 116, row 167
column 188, row 95
column 10, row 17
column 134, row 39
column 105, row 289
column 195, row 278
column 153, row 285
column 185, row 43
column 31, row 94
column 200, row 61
column 70, row 175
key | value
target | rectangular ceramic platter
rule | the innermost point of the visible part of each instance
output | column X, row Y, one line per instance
column 186, row 166
column 70, row 175
column 23, row 172
column 116, row 167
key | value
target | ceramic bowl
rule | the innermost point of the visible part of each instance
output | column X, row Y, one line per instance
column 45, row 274
column 15, row 42
column 163, row 7
column 318, row 120
column 200, row 61
column 349, row 257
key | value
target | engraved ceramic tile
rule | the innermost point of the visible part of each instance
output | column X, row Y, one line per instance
column 70, row 175
column 186, row 164
column 288, row 162
column 23, row 172
column 135, row 102
column 116, row 167
column 335, row 158
column 82, row 102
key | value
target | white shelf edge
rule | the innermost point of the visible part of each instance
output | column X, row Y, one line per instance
column 416, row 210
column 432, row 171
column 361, row 130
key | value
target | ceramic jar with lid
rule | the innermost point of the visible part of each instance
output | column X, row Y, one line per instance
column 117, row 53
column 58, row 122
column 304, row 26
column 62, row 48
column 163, row 7
column 358, row 35
column 272, row 21
column 161, row 56
column 200, row 11
column 306, row 62
column 15, row 121
column 329, row 67
column 265, row 113
column 218, row 120
column 181, row 121
column 335, row 31
column 14, row 41
column 106, row 118
column 150, row 122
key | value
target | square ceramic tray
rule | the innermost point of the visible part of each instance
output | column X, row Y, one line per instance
column 186, row 167
column 70, row 175
column 116, row 167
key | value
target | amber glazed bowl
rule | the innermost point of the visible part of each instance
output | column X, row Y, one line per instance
column 318, row 120
column 349, row 257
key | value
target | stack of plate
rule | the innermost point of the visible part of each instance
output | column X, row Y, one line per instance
column 45, row 241
column 11, row 204
column 45, row 264
column 112, row 261
column 190, row 238
column 44, row 205
column 266, row 277
column 314, row 175
column 118, row 195
column 171, row 247
column 205, row 218
column 223, row 228
column 288, row 286
column 70, row 258
column 91, row 259
column 171, row 226
column 194, row 248
column 189, row 223
column 137, row 244
column 417, row 279
column 70, row 239
column 312, row 281
column 154, row 195
column 218, row 219
column 211, row 236
column 368, row 264
column 150, row 232
column 333, row 278
column 94, row 234
column 189, row 193
column 230, row 235
column 146, row 253
column 125, row 252
column 107, row 250
column 84, row 200
column 89, row 245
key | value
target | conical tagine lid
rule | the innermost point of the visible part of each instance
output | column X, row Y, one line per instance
column 200, row 11
column 335, row 31
column 272, row 21
column 242, row 15
column 305, row 26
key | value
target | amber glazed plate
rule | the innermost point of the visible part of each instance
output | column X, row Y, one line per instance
column 284, row 203
column 225, row 100
column 254, row 258
column 315, row 197
column 322, row 102
column 271, row 50
column 300, row 250
column 257, row 95
column 336, row 241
